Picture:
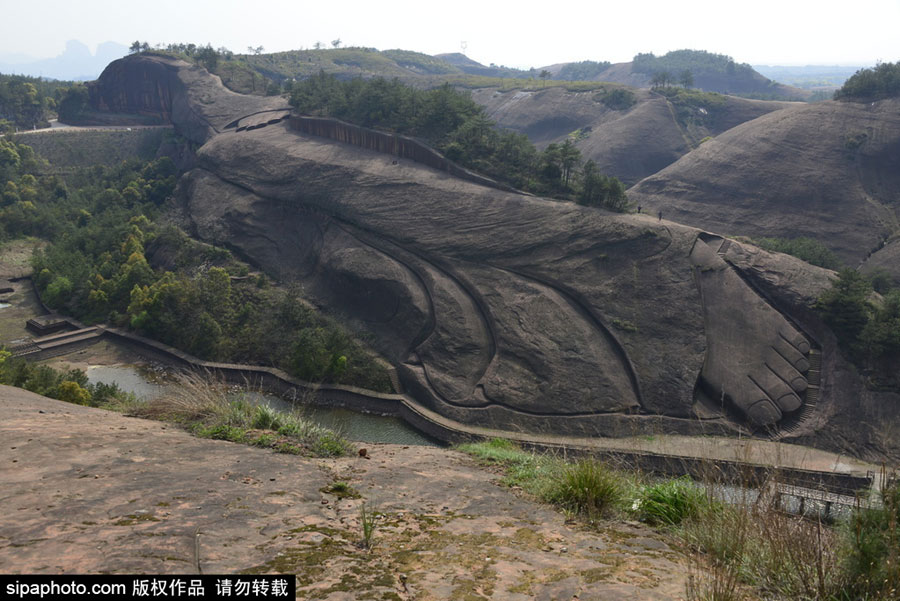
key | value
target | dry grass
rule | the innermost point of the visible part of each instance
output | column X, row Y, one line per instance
column 740, row 547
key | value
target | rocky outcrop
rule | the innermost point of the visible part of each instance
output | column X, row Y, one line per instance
column 829, row 171
column 176, row 92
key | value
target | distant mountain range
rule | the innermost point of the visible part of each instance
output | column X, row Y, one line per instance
column 75, row 63
column 79, row 64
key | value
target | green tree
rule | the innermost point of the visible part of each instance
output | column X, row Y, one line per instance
column 845, row 307
column 661, row 79
column 598, row 190
column 569, row 158
column 882, row 81
column 74, row 103
column 208, row 57
column 880, row 337
column 58, row 292
column 686, row 78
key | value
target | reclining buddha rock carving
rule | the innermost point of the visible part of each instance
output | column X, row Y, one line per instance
column 756, row 359
column 499, row 308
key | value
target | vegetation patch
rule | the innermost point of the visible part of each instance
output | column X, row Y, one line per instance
column 625, row 325
column 342, row 490
column 110, row 261
column 136, row 518
column 866, row 325
column 28, row 102
column 880, row 81
column 671, row 502
column 71, row 386
column 210, row 410
column 617, row 99
column 808, row 249
column 582, row 71
column 588, row 488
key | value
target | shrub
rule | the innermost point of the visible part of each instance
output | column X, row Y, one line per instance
column 588, row 487
column 671, row 502
column 265, row 418
column 71, row 392
column 619, row 99
column 873, row 542
column 845, row 306
column 808, row 249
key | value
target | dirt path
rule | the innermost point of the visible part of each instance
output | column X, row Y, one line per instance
column 86, row 491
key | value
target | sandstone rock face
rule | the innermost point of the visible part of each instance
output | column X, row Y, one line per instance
column 629, row 144
column 829, row 171
column 511, row 311
column 179, row 93
column 520, row 313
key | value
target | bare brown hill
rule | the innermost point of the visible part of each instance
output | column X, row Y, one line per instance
column 631, row 143
column 520, row 313
column 829, row 171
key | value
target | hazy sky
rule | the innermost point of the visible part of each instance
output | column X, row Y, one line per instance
column 520, row 34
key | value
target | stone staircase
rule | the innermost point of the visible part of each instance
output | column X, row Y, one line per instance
column 811, row 400
column 54, row 345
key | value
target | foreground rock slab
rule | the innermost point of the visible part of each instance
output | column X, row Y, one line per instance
column 87, row 491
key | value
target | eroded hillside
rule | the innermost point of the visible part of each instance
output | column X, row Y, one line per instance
column 632, row 139
column 829, row 171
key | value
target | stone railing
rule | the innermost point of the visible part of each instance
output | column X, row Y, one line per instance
column 396, row 145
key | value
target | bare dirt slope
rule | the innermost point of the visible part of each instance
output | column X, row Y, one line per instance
column 630, row 144
column 87, row 491
column 829, row 171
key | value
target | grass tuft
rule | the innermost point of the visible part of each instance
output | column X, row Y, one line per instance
column 588, row 488
column 367, row 520
column 671, row 501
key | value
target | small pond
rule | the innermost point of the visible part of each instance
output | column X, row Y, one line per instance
column 361, row 427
